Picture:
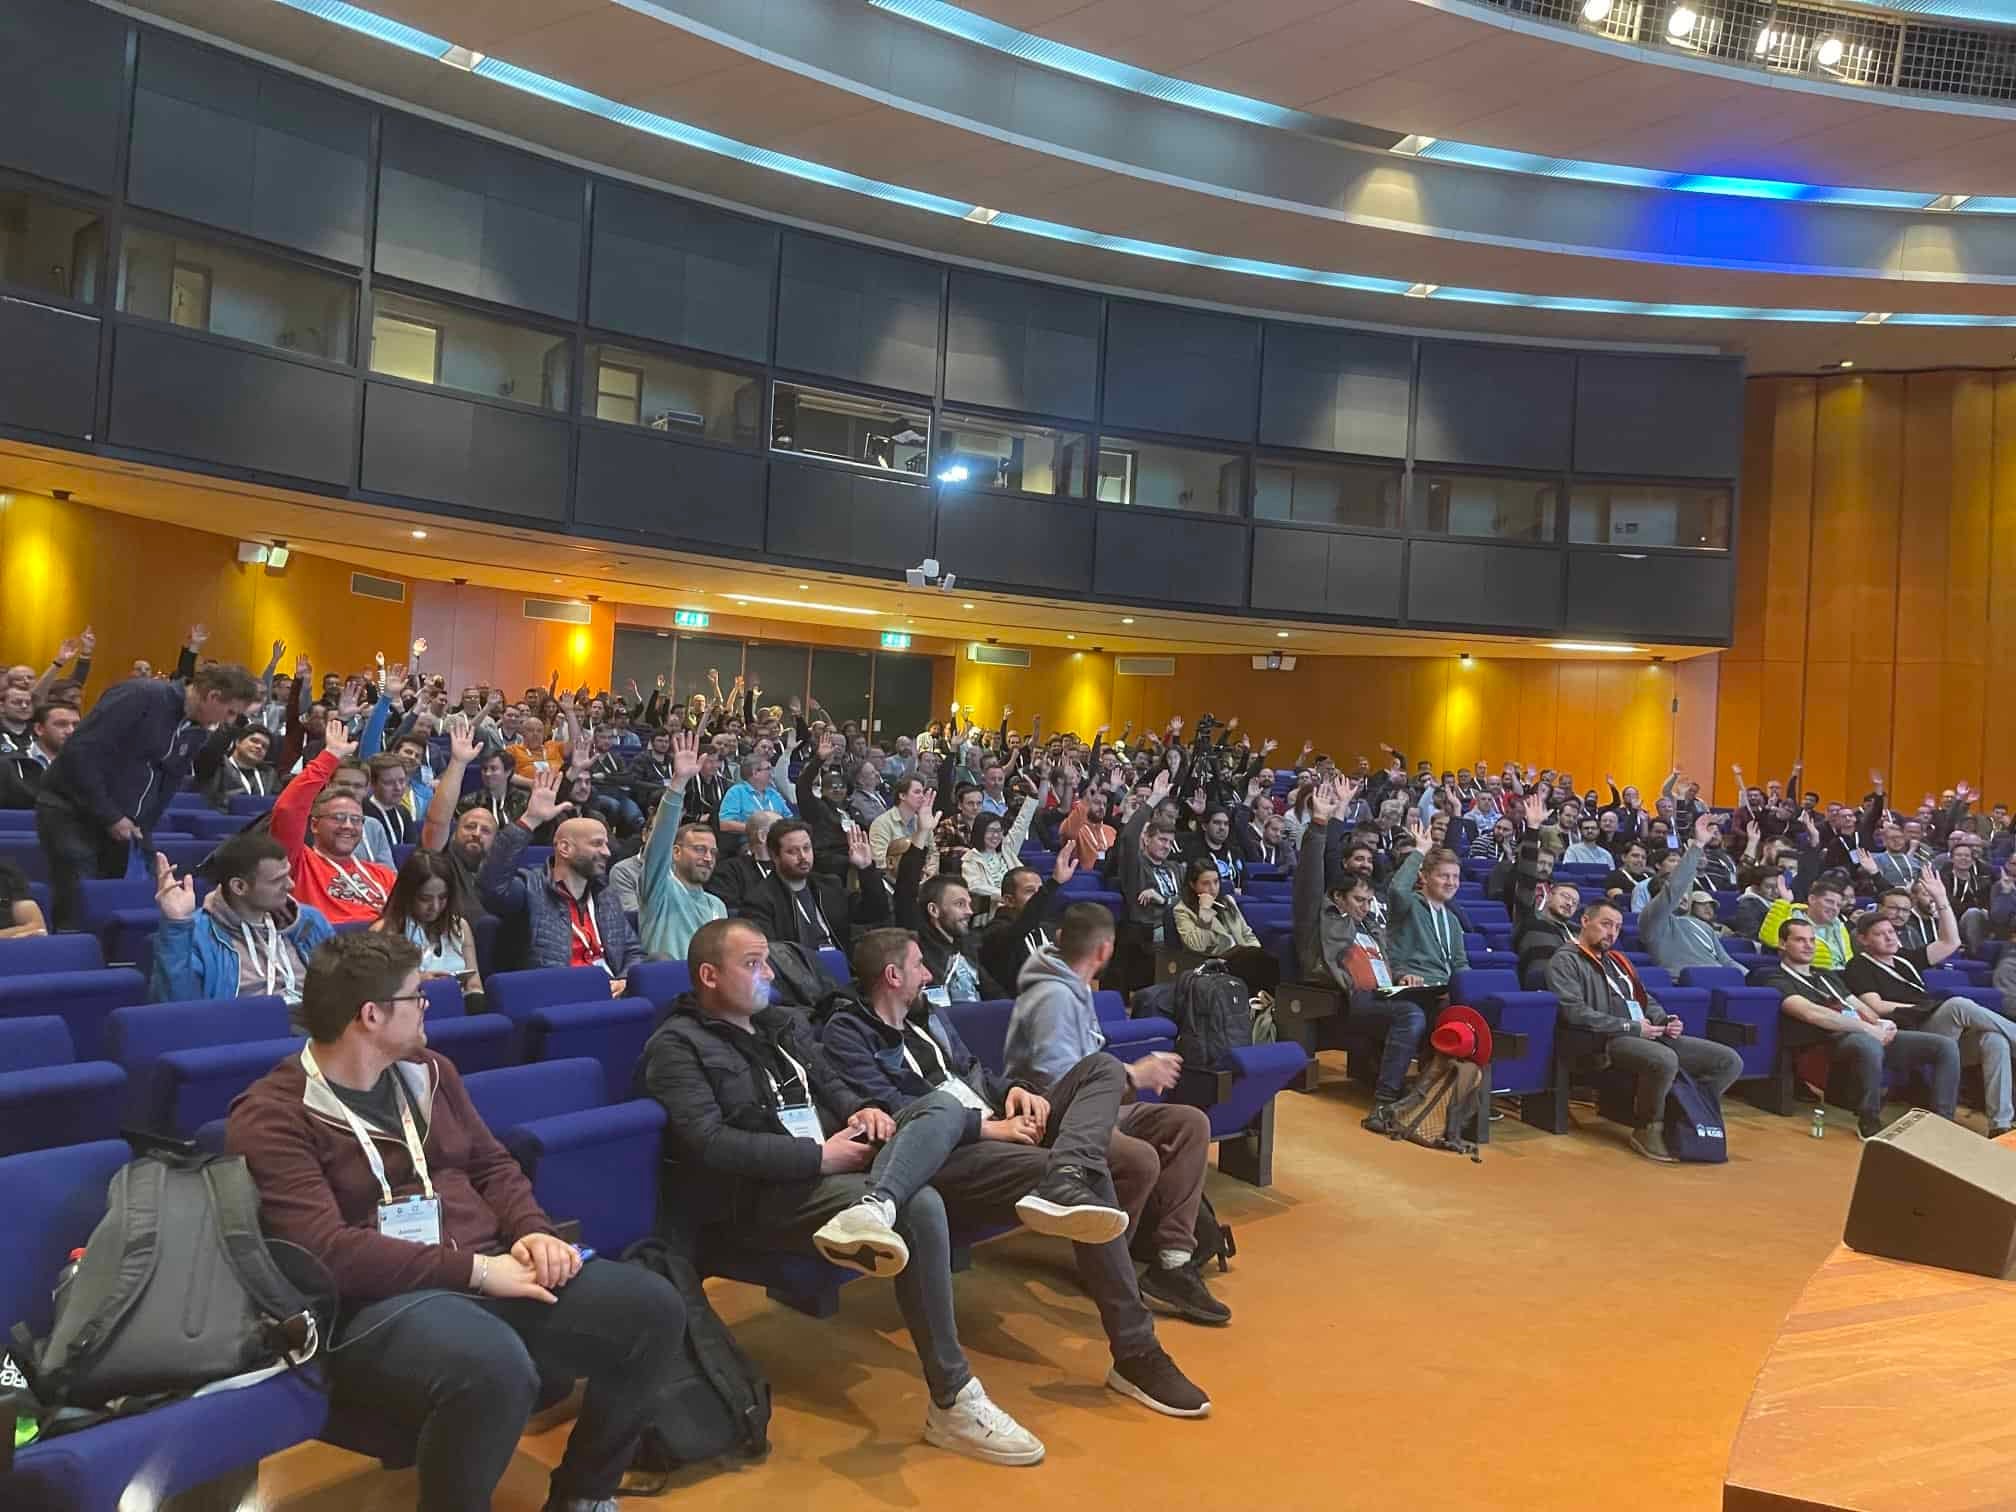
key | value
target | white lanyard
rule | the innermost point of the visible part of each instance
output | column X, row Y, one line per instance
column 804, row 1081
column 1913, row 980
column 1442, row 926
column 1620, row 980
column 1827, row 988
column 807, row 903
column 394, row 832
column 279, row 959
column 357, row 1127
column 361, row 880
column 1705, row 932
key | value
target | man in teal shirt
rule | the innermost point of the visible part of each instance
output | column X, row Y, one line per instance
column 1425, row 934
column 672, row 897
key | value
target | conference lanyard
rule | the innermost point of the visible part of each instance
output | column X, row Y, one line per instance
column 813, row 914
column 253, row 779
column 1827, row 988
column 1441, row 917
column 949, row 1082
column 591, row 937
column 1703, row 930
column 279, row 960
column 357, row 1127
column 1914, row 980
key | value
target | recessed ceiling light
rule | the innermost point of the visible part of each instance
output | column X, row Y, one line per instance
column 556, row 580
column 464, row 58
column 1949, row 202
column 1681, row 22
column 1413, row 145
column 803, row 586
column 1847, row 362
column 757, row 598
column 965, row 606
column 419, row 535
column 1126, row 619
column 1588, row 646
column 1421, row 290
column 1596, row 11
column 1070, row 637
column 1828, row 53
column 1874, row 317
column 1281, row 634
column 980, row 215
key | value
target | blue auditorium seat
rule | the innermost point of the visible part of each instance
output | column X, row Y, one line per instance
column 142, row 1037
column 55, row 952
column 662, row 982
column 609, row 1030
column 1523, row 1064
column 517, row 994
column 54, row 1200
column 47, row 1099
column 471, row 1041
column 82, row 999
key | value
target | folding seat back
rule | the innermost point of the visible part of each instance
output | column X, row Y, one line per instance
column 515, row 1095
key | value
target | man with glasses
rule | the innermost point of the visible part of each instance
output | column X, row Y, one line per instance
column 675, row 866
column 321, row 831
column 456, row 1296
column 753, row 794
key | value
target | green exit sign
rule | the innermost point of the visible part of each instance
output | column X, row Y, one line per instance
column 690, row 619
column 895, row 640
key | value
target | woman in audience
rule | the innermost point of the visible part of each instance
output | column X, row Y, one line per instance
column 429, row 907
column 20, row 914
column 994, row 853
column 1209, row 923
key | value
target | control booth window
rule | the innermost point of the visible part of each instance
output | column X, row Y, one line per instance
column 49, row 247
column 1649, row 514
column 884, row 434
column 1361, row 495
column 679, row 398
column 1012, row 455
column 1493, row 507
column 206, row 286
column 1157, row 476
column 425, row 342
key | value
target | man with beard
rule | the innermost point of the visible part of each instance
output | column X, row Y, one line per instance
column 563, row 913
column 794, row 905
column 675, row 865
column 941, row 912
column 1547, row 931
column 1022, row 921
column 464, row 838
column 247, row 938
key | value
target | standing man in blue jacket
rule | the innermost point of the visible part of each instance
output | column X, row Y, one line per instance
column 107, row 788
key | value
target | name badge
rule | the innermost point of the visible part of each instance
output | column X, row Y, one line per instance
column 1849, row 1013
column 801, row 1121
column 417, row 1220
column 1631, row 1007
column 938, row 997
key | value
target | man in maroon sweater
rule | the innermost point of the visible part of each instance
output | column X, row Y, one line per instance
column 455, row 1294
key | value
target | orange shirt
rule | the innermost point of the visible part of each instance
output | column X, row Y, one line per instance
column 553, row 754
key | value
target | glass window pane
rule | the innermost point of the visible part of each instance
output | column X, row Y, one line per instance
column 840, row 683
column 1504, row 509
column 975, row 452
column 697, row 656
column 1168, row 477
column 207, row 287
column 1326, row 493
column 902, row 696
column 779, row 671
column 1649, row 514
column 48, row 246
column 677, row 397
column 425, row 342
column 854, row 428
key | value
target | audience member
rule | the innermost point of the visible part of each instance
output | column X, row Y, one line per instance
column 794, row 904
column 1598, row 991
column 760, row 1126
column 1862, row 1044
column 910, row 818
column 1427, row 936
column 669, row 876
column 562, row 913
column 455, row 1294
column 1209, row 923
column 754, row 792
column 996, row 849
column 737, row 877
column 1825, row 900
column 1022, row 921
column 1159, row 1148
column 322, row 824
column 1672, row 933
column 432, row 908
column 21, row 771
column 247, row 938
column 1037, row 1160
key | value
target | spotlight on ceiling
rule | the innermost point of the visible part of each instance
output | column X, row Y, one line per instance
column 1595, row 12
column 1949, row 202
column 1681, row 21
column 1828, row 53
column 1413, row 145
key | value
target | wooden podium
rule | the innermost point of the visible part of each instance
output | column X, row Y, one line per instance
column 1888, row 1389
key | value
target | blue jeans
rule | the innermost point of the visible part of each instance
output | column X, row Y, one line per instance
column 463, row 1371
column 1406, row 1026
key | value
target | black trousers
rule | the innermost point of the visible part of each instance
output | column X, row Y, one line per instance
column 77, row 847
column 464, row 1371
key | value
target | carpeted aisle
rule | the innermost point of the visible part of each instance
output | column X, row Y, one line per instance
column 1565, row 1326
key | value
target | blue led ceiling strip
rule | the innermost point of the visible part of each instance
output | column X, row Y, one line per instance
column 700, row 139
column 966, row 25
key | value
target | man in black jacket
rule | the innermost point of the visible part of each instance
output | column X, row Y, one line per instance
column 21, row 772
column 115, row 774
column 1022, row 922
column 1040, row 1161
column 798, row 905
column 739, row 877
column 765, row 1140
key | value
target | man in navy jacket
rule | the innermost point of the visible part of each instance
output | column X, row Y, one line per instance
column 115, row 774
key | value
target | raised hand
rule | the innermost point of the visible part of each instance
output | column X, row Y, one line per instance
column 87, row 642
column 378, row 657
column 685, row 757
column 463, row 746
column 1066, row 866
column 302, row 669
column 1536, row 810
column 337, row 739
column 860, row 854
column 1418, row 830
column 419, row 647
column 176, row 900
column 1326, row 801
column 66, row 650
column 197, row 635
column 1934, row 883
column 1704, row 826
column 1268, row 747
column 1161, row 788
column 350, row 700
column 545, row 802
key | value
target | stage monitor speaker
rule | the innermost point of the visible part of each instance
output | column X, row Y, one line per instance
column 1934, row 1193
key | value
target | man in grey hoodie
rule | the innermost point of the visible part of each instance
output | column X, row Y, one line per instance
column 1159, row 1150
column 1675, row 938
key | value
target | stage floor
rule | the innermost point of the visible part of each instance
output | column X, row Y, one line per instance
column 1565, row 1326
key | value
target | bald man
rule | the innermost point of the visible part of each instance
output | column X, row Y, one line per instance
column 563, row 913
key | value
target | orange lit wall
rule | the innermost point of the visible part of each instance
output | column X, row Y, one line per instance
column 140, row 584
column 1875, row 573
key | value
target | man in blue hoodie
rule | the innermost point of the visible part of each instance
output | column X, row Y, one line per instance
column 1159, row 1150
column 108, row 786
column 247, row 939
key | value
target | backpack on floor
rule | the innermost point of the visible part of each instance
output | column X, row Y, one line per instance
column 1693, row 1124
column 1210, row 1240
column 719, row 1404
column 174, row 1291
column 1442, row 1106
column 1214, row 1017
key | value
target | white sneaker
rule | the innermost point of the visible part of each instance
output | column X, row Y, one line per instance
column 974, row 1426
column 859, row 1238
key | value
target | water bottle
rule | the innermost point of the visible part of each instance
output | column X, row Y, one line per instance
column 1819, row 1123
column 63, row 1278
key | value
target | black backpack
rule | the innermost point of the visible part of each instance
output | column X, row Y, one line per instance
column 720, row 1404
column 1214, row 1017
column 1210, row 1240
column 175, row 1291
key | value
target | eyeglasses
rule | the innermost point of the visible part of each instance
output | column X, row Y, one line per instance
column 344, row 821
column 403, row 997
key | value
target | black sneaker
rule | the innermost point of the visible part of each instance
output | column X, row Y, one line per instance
column 1153, row 1380
column 1065, row 1207
column 1380, row 1119
column 1182, row 1292
column 1868, row 1128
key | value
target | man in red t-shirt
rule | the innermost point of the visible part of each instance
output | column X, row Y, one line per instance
column 321, row 832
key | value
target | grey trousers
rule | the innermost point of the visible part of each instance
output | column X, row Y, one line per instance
column 787, row 1214
column 1985, row 1038
column 982, row 1182
column 1656, row 1062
